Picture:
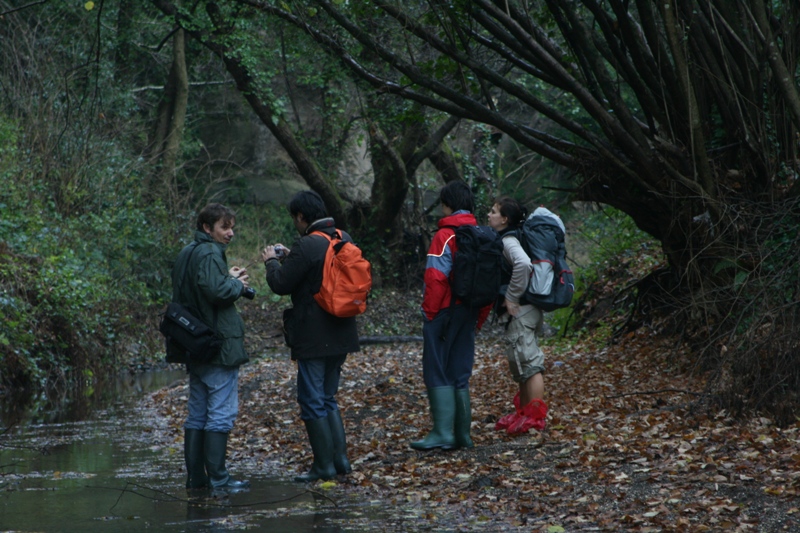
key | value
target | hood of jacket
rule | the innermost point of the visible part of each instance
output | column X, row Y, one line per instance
column 458, row 219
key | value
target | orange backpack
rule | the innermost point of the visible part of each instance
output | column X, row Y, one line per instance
column 346, row 278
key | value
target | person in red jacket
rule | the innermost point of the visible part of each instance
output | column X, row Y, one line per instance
column 448, row 330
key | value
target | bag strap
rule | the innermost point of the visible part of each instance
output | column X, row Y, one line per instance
column 186, row 266
column 330, row 239
column 338, row 236
column 183, row 279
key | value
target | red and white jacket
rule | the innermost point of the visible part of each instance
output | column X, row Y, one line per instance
column 437, row 295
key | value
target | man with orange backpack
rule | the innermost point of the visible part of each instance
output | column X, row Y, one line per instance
column 319, row 340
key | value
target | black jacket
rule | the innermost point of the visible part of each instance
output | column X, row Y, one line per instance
column 316, row 332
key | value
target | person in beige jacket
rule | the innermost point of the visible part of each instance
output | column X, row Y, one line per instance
column 525, row 358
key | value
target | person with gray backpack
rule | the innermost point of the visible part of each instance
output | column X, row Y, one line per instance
column 532, row 269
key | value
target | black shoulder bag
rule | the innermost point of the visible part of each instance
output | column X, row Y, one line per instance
column 188, row 339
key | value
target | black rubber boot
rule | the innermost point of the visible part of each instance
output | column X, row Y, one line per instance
column 340, row 461
column 443, row 409
column 216, row 446
column 463, row 419
column 196, row 477
column 319, row 435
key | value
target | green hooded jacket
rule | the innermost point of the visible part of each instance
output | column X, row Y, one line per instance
column 207, row 286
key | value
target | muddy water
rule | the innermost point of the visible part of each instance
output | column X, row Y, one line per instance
column 100, row 470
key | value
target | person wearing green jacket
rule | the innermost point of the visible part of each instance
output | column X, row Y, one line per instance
column 202, row 280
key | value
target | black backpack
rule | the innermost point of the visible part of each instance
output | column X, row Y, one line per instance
column 475, row 277
column 552, row 283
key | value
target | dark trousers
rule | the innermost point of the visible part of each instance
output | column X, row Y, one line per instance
column 449, row 347
column 317, row 385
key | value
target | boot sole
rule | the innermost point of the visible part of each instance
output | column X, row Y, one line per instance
column 444, row 447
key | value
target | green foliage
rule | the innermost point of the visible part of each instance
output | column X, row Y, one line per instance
column 599, row 240
column 781, row 265
column 71, row 270
column 609, row 235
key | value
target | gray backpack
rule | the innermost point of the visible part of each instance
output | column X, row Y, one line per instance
column 552, row 283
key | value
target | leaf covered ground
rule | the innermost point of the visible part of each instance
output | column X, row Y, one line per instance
column 632, row 444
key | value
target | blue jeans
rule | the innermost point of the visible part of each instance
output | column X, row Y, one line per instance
column 447, row 362
column 317, row 385
column 213, row 398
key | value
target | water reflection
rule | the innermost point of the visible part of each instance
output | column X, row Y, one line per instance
column 92, row 465
column 60, row 403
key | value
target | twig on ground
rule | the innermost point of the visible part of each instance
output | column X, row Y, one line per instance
column 661, row 391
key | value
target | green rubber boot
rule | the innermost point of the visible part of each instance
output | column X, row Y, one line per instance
column 216, row 447
column 319, row 435
column 443, row 410
column 340, row 461
column 194, row 456
column 463, row 419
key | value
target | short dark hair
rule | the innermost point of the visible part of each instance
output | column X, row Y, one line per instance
column 457, row 196
column 515, row 212
column 212, row 213
column 309, row 204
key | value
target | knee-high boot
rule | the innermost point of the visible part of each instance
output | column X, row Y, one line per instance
column 340, row 461
column 194, row 456
column 443, row 409
column 463, row 420
column 216, row 447
column 319, row 435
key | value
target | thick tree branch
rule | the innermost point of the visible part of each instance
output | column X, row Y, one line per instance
column 701, row 170
column 432, row 144
column 785, row 80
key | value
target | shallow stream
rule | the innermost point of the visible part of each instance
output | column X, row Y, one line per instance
column 79, row 468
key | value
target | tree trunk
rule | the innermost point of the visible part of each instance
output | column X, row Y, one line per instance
column 168, row 131
column 391, row 182
column 180, row 97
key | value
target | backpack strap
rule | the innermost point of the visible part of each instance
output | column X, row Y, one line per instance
column 452, row 294
column 337, row 236
column 336, row 248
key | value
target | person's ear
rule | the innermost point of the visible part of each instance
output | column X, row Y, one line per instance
column 208, row 229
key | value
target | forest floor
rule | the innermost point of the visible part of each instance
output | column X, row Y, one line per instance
column 632, row 444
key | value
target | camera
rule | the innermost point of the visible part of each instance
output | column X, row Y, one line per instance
column 249, row 293
column 280, row 252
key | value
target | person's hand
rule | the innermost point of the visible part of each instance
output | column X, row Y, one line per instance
column 240, row 274
column 277, row 251
column 281, row 251
column 512, row 308
column 268, row 253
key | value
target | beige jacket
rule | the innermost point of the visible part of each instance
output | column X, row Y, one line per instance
column 520, row 265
